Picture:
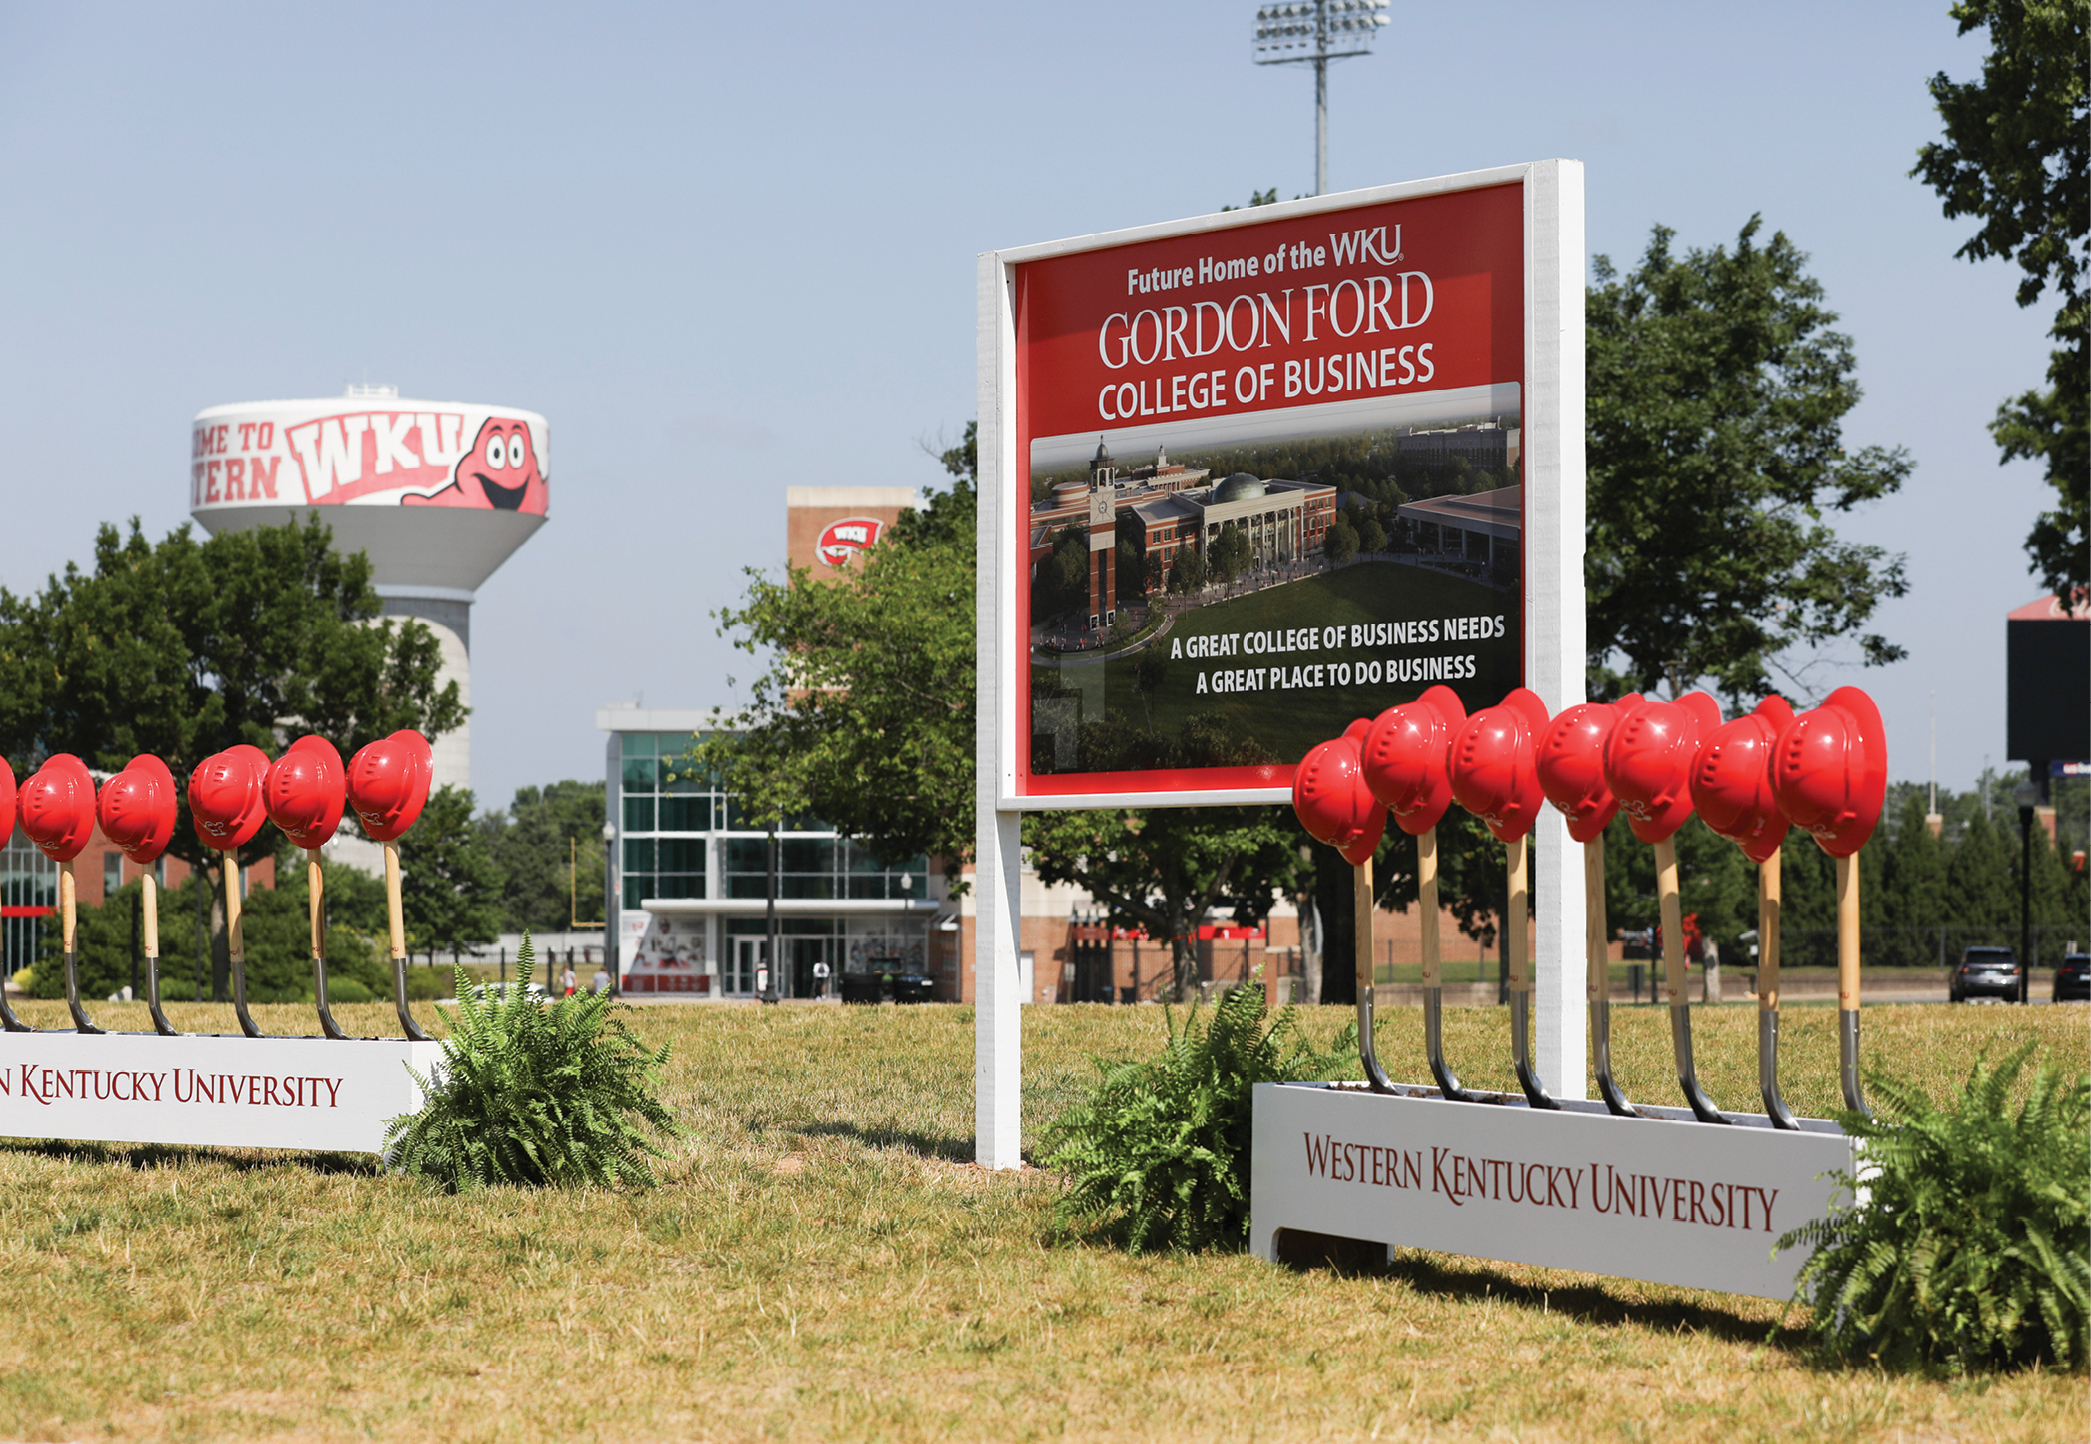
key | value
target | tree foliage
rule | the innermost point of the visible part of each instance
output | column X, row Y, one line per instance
column 1716, row 399
column 2014, row 158
column 450, row 887
column 546, row 836
column 863, row 716
column 183, row 648
column 1164, row 868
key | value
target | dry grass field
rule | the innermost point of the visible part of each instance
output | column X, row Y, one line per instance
column 823, row 1263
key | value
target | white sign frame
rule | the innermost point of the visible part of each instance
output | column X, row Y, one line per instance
column 1554, row 483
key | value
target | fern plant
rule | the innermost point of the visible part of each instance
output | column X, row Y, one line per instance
column 528, row 1092
column 1158, row 1155
column 1967, row 1248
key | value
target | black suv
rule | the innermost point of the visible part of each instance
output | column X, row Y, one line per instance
column 1987, row 972
column 2073, row 978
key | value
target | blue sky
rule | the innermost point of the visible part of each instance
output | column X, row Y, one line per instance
column 727, row 250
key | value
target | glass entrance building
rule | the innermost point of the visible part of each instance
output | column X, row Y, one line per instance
column 693, row 883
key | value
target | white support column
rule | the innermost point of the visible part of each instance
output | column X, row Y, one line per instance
column 998, row 1039
column 1554, row 640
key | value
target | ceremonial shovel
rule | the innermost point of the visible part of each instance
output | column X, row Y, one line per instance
column 1648, row 765
column 388, row 784
column 137, row 809
column 1571, row 772
column 1405, row 761
column 1829, row 772
column 1731, row 786
column 57, row 806
column 306, row 792
column 1333, row 804
column 1495, row 776
column 225, row 803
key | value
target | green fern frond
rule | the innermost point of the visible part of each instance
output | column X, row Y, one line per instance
column 531, row 1092
column 1972, row 1247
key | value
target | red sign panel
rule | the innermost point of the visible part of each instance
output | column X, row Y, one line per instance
column 840, row 540
column 1274, row 483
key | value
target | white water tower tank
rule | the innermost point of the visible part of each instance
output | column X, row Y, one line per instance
column 438, row 493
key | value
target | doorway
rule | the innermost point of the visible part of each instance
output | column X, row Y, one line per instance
column 749, row 954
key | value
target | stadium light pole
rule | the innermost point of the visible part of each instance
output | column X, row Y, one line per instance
column 1314, row 32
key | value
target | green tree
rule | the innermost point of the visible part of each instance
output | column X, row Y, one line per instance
column 1129, row 557
column 1913, row 889
column 1372, row 537
column 549, row 840
column 1187, row 572
column 2013, row 157
column 183, row 648
column 1231, row 553
column 1717, row 395
column 1062, row 584
column 863, row 716
column 1340, row 542
column 1165, row 868
column 1979, row 884
column 450, row 888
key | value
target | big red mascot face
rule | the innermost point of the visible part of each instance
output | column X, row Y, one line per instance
column 499, row 473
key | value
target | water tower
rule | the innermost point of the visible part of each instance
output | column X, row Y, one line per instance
column 438, row 493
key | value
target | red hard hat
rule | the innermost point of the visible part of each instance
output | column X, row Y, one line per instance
column 1648, row 762
column 307, row 791
column 137, row 808
column 1572, row 765
column 1731, row 780
column 1333, row 804
column 1829, row 771
column 388, row 783
column 57, row 806
column 1407, row 758
column 225, row 799
column 1495, row 773
column 7, row 798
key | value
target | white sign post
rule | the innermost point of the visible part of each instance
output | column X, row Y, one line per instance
column 321, row 1094
column 1443, row 313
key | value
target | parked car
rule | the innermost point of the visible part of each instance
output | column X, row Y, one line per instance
column 2073, row 979
column 1987, row 972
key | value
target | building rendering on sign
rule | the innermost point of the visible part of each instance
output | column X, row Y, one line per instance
column 437, row 493
column 1167, row 507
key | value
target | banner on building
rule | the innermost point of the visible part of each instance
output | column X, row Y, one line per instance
column 1257, row 475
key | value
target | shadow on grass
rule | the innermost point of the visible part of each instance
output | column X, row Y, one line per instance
column 141, row 1156
column 1588, row 1303
column 946, row 1146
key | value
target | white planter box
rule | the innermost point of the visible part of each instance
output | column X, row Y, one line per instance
column 1667, row 1200
column 305, row 1093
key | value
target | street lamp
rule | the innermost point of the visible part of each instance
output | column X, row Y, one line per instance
column 2026, row 794
column 1314, row 32
column 612, row 907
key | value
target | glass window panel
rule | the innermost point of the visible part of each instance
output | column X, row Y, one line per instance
column 641, row 774
column 637, row 744
column 804, row 855
column 684, row 780
column 679, row 884
column 638, row 814
column 817, row 885
column 862, row 859
column 679, row 854
column 863, row 885
column 743, row 884
column 750, row 927
column 638, row 854
column 747, row 854
column 686, row 814
column 637, row 887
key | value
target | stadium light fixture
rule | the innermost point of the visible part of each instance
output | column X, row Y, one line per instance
column 1314, row 32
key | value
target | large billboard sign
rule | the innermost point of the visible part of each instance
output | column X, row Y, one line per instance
column 1250, row 476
